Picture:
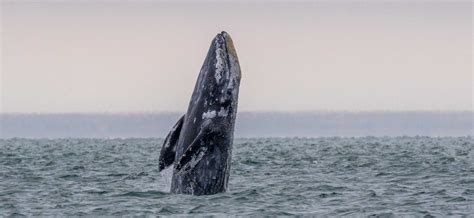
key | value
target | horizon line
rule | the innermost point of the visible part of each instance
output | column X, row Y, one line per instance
column 245, row 111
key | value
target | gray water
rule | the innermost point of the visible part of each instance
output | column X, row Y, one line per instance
column 415, row 176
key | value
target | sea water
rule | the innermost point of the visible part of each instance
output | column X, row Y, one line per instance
column 379, row 176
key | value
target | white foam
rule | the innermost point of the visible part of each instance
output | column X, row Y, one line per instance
column 165, row 178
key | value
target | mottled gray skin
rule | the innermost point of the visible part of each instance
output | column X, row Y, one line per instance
column 202, row 140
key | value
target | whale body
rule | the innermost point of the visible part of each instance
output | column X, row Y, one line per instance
column 199, row 145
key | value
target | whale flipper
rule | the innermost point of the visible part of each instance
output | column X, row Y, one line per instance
column 168, row 149
column 194, row 149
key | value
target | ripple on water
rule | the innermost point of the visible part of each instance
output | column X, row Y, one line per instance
column 146, row 194
column 369, row 176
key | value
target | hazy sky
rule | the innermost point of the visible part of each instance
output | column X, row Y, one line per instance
column 136, row 56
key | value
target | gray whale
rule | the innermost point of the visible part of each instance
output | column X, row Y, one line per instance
column 200, row 143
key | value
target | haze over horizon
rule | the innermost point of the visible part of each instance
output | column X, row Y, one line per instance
column 100, row 56
column 248, row 124
column 280, row 112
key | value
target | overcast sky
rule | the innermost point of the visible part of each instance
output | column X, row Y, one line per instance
column 144, row 56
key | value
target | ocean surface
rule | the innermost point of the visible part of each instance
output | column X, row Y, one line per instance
column 367, row 176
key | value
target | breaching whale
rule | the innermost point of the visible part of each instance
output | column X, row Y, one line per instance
column 200, row 143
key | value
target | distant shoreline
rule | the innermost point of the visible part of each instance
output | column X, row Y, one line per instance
column 245, row 112
column 248, row 125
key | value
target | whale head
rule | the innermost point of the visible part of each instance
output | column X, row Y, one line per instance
column 219, row 81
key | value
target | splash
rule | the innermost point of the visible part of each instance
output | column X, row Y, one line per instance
column 165, row 178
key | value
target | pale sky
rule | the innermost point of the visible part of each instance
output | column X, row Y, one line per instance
column 144, row 56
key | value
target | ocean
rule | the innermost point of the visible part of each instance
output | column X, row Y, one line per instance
column 328, row 176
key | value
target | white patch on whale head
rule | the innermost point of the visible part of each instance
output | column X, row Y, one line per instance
column 209, row 115
column 223, row 112
column 220, row 64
